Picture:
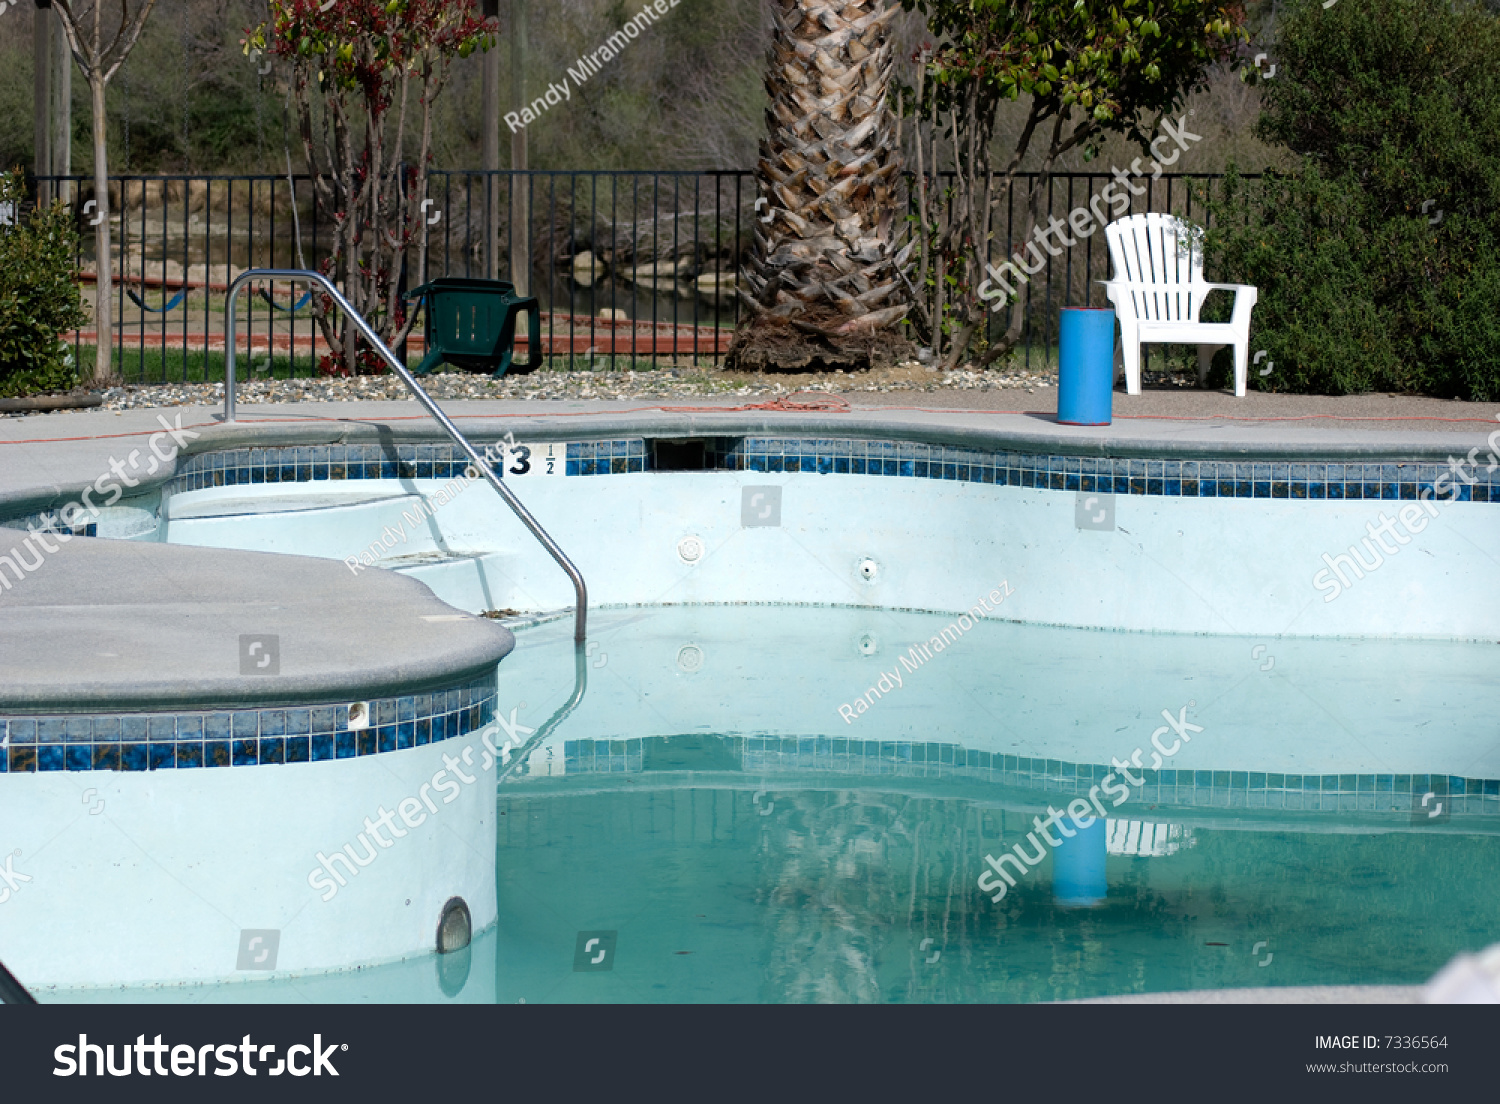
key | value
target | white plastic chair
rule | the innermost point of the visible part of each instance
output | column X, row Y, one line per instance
column 1158, row 290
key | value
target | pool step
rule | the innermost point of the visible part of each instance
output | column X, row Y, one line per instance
column 193, row 505
column 375, row 524
column 328, row 525
column 470, row 581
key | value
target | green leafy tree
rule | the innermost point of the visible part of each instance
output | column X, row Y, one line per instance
column 369, row 65
column 1378, row 258
column 39, row 298
column 1089, row 67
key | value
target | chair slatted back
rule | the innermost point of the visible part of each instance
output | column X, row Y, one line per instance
column 1161, row 257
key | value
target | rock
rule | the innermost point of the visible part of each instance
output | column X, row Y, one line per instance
column 661, row 271
column 214, row 274
column 587, row 268
column 609, row 314
column 168, row 271
column 664, row 284
column 720, row 284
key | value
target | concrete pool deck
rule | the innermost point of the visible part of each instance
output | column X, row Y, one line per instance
column 44, row 458
column 127, row 625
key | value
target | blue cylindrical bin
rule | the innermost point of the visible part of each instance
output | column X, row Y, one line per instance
column 1086, row 366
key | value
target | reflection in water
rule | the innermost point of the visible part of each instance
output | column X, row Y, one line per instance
column 865, row 896
column 840, row 871
column 742, row 848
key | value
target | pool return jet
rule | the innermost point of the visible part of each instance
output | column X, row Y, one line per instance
column 317, row 279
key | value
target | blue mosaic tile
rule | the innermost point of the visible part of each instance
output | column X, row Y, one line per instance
column 1173, row 478
column 242, row 738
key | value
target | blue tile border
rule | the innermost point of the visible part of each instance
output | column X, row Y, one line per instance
column 239, row 737
column 1324, row 482
column 850, row 456
column 50, row 522
column 1378, row 793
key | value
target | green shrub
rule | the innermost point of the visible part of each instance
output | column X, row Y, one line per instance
column 39, row 297
column 1378, row 259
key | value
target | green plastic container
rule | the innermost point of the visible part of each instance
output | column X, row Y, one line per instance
column 472, row 324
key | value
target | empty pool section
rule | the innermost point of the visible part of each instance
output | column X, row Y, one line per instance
column 225, row 764
column 1213, row 530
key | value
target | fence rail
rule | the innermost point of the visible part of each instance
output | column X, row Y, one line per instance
column 628, row 266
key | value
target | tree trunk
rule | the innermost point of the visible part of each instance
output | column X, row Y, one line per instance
column 824, row 284
column 104, row 262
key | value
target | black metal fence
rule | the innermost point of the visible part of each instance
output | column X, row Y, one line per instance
column 628, row 267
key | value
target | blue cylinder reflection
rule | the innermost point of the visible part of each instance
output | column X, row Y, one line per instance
column 1078, row 867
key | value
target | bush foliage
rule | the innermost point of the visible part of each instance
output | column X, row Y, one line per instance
column 1378, row 258
column 39, row 297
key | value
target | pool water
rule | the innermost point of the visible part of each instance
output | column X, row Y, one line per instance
column 694, row 817
column 709, row 804
column 858, row 895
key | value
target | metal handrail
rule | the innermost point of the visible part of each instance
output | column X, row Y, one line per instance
column 580, row 591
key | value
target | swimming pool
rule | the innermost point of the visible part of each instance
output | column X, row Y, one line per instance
column 718, row 852
column 835, row 681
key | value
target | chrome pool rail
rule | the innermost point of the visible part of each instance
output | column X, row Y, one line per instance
column 296, row 275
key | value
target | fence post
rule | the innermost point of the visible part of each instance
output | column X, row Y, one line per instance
column 492, row 152
column 41, row 97
column 520, row 205
column 401, row 274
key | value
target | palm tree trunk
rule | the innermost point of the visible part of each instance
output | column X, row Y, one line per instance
column 824, row 287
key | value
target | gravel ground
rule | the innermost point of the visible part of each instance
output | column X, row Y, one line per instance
column 664, row 383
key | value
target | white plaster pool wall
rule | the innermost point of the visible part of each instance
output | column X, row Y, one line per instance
column 157, row 886
column 1298, row 706
column 1171, row 564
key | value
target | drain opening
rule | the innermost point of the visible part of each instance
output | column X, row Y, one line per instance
column 455, row 927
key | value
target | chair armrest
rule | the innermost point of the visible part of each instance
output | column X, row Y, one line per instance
column 1245, row 298
column 533, row 310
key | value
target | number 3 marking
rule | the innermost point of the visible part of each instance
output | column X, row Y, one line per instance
column 523, row 458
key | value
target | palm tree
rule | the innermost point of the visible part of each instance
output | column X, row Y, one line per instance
column 824, row 283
